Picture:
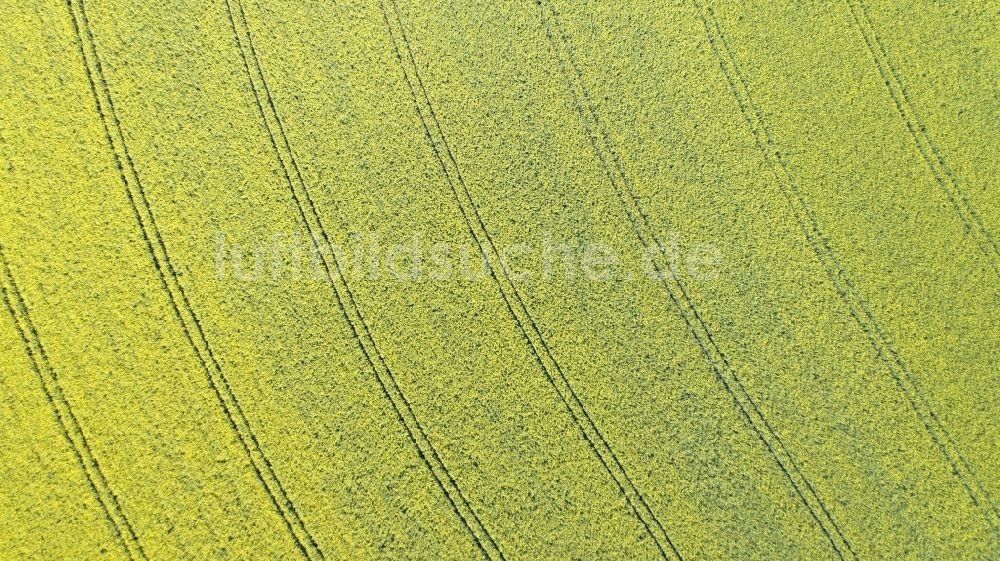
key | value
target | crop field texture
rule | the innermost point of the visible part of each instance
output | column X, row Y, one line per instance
column 536, row 280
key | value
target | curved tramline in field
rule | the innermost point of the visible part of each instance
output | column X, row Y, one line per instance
column 612, row 165
column 849, row 293
column 929, row 152
column 342, row 291
column 67, row 420
column 518, row 310
column 185, row 314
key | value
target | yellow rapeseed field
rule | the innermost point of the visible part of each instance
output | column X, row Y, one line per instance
column 460, row 279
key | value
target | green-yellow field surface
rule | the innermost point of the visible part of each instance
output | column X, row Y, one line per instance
column 794, row 355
